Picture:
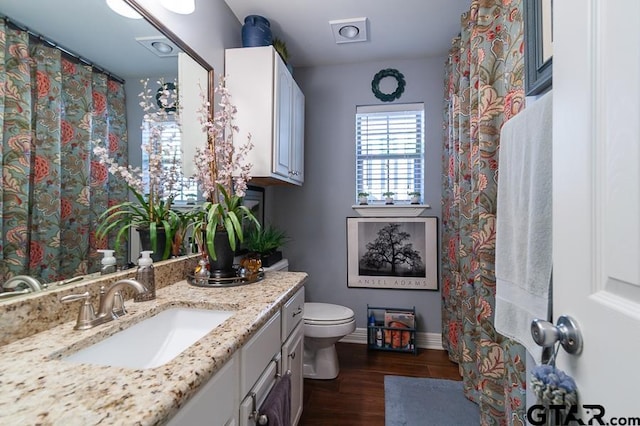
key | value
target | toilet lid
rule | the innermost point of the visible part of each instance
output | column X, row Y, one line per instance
column 326, row 312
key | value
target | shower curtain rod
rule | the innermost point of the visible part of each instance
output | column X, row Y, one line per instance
column 62, row 49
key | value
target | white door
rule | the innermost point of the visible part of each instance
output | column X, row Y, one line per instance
column 596, row 197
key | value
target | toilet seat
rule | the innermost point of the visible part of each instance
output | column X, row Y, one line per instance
column 326, row 314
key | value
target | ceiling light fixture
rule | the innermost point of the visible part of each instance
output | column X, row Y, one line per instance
column 123, row 9
column 161, row 47
column 349, row 30
column 183, row 7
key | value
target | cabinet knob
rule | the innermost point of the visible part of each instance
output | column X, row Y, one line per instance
column 292, row 355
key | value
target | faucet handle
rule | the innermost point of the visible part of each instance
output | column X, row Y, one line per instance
column 86, row 314
column 118, row 305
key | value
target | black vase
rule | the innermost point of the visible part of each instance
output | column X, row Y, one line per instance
column 256, row 31
column 161, row 242
column 222, row 267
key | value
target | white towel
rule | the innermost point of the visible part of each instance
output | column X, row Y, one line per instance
column 523, row 223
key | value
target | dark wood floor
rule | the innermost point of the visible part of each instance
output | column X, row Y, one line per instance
column 356, row 396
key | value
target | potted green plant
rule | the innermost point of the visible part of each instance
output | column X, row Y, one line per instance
column 415, row 197
column 264, row 243
column 281, row 47
column 154, row 220
column 363, row 198
column 222, row 176
column 388, row 197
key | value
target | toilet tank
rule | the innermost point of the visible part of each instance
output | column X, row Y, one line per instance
column 282, row 265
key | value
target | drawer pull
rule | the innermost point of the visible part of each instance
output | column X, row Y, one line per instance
column 292, row 355
column 261, row 419
column 297, row 312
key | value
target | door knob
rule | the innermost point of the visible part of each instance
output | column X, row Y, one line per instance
column 566, row 332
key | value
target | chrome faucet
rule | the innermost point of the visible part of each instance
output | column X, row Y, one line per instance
column 13, row 282
column 87, row 317
column 107, row 299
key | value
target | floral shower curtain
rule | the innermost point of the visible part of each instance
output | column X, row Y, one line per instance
column 483, row 89
column 53, row 189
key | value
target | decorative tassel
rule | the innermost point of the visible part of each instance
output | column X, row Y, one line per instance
column 553, row 386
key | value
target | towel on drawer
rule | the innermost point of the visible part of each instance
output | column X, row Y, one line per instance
column 277, row 407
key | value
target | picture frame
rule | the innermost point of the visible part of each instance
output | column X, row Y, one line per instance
column 393, row 253
column 254, row 201
column 538, row 39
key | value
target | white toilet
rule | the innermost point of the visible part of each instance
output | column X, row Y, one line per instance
column 281, row 265
column 324, row 325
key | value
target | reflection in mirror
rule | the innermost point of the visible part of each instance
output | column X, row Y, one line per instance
column 72, row 73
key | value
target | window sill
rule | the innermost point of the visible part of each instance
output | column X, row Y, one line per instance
column 391, row 210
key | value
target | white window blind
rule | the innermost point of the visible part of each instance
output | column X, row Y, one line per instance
column 390, row 150
column 171, row 159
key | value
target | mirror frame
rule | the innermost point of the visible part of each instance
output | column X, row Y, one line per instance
column 181, row 44
column 538, row 74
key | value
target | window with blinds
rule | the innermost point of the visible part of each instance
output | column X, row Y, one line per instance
column 390, row 151
column 171, row 158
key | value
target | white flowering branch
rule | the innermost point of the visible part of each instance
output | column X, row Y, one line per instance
column 162, row 182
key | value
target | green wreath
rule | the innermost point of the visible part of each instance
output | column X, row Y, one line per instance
column 170, row 107
column 388, row 97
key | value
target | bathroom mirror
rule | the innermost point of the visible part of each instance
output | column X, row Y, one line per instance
column 92, row 31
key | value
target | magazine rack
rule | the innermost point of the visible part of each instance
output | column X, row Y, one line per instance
column 391, row 329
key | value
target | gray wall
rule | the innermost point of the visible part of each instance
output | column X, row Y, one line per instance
column 314, row 215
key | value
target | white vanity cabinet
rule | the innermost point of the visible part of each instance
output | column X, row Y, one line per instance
column 293, row 350
column 215, row 403
column 271, row 108
column 235, row 393
column 259, row 369
column 287, row 357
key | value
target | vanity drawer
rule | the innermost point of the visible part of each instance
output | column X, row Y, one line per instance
column 292, row 313
column 258, row 352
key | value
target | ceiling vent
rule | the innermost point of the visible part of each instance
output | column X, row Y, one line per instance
column 159, row 45
column 349, row 30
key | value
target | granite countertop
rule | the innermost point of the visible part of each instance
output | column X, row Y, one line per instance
column 37, row 387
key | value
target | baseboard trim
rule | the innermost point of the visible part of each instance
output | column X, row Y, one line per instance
column 423, row 340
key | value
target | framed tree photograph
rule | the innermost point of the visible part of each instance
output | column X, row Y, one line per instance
column 392, row 252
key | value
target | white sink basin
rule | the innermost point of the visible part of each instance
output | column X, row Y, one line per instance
column 153, row 341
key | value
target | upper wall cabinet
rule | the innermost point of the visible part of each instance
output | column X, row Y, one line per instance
column 271, row 108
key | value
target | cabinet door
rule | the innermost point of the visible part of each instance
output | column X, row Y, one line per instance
column 258, row 352
column 215, row 403
column 297, row 140
column 283, row 102
column 292, row 357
